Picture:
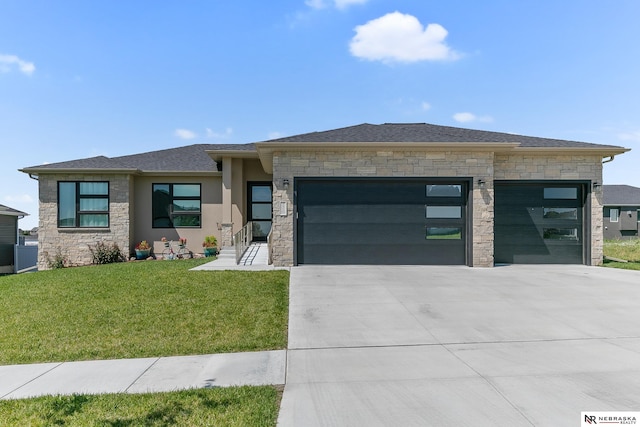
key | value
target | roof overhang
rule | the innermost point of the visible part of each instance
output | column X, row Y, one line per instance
column 35, row 171
column 218, row 155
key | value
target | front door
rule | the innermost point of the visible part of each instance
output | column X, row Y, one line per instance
column 259, row 209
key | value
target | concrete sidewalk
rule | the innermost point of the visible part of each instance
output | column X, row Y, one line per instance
column 254, row 259
column 143, row 375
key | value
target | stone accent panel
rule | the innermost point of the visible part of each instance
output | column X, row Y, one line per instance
column 74, row 243
column 461, row 164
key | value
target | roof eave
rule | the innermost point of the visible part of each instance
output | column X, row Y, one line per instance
column 44, row 170
column 598, row 150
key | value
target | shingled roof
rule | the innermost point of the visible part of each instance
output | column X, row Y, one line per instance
column 7, row 211
column 424, row 132
column 191, row 158
column 620, row 195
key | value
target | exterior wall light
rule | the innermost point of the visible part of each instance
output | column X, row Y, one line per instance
column 481, row 183
column 285, row 183
column 596, row 186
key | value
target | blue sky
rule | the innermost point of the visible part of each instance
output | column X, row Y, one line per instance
column 80, row 79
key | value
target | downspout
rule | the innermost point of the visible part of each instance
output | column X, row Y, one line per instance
column 609, row 160
column 34, row 177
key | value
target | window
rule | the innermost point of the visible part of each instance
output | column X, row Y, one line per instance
column 444, row 212
column 614, row 214
column 569, row 193
column 560, row 213
column 444, row 233
column 176, row 205
column 83, row 204
column 560, row 233
column 446, row 190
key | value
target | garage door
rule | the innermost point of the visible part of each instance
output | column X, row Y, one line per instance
column 381, row 221
column 539, row 223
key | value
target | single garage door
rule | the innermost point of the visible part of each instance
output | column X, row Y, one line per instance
column 381, row 221
column 539, row 223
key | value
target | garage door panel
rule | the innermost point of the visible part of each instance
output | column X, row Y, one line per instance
column 530, row 228
column 378, row 221
column 386, row 254
column 354, row 214
column 364, row 233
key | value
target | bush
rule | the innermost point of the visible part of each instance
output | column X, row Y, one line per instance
column 106, row 254
column 58, row 261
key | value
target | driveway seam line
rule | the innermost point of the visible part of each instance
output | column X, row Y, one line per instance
column 126, row 390
column 493, row 386
column 32, row 380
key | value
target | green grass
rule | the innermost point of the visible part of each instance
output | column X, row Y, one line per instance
column 628, row 250
column 235, row 406
column 140, row 309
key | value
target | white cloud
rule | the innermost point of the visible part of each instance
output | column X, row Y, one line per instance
column 226, row 134
column 22, row 198
column 316, row 4
column 470, row 117
column 343, row 4
column 630, row 136
column 8, row 61
column 185, row 134
column 426, row 106
column 339, row 4
column 397, row 37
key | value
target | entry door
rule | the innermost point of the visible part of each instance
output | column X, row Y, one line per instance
column 381, row 221
column 259, row 209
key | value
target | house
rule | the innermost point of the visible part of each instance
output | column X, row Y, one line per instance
column 621, row 215
column 365, row 194
column 8, row 237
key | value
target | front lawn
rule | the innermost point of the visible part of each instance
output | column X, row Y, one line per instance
column 628, row 250
column 234, row 406
column 140, row 309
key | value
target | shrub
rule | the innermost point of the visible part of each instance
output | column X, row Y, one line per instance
column 58, row 261
column 106, row 254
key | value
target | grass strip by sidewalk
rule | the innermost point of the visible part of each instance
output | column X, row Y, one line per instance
column 140, row 309
column 234, row 406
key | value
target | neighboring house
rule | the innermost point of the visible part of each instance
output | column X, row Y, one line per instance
column 621, row 211
column 365, row 194
column 8, row 237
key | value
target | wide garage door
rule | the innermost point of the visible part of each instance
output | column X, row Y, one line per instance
column 381, row 221
column 539, row 223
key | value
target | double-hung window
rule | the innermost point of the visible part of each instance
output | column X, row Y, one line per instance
column 176, row 205
column 83, row 204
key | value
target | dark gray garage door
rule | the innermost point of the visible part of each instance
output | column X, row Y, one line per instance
column 539, row 223
column 381, row 221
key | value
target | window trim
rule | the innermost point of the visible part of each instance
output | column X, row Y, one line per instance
column 80, row 213
column 617, row 211
column 173, row 198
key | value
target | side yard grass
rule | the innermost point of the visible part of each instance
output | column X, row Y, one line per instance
column 140, row 309
column 235, row 406
column 628, row 250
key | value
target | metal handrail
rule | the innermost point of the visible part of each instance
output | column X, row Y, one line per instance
column 242, row 240
column 269, row 256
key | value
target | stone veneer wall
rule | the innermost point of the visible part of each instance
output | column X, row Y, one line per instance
column 569, row 167
column 383, row 164
column 74, row 243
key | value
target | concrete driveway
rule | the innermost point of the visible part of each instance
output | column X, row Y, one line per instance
column 454, row 346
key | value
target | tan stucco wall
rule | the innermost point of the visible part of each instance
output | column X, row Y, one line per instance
column 211, row 196
column 74, row 243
